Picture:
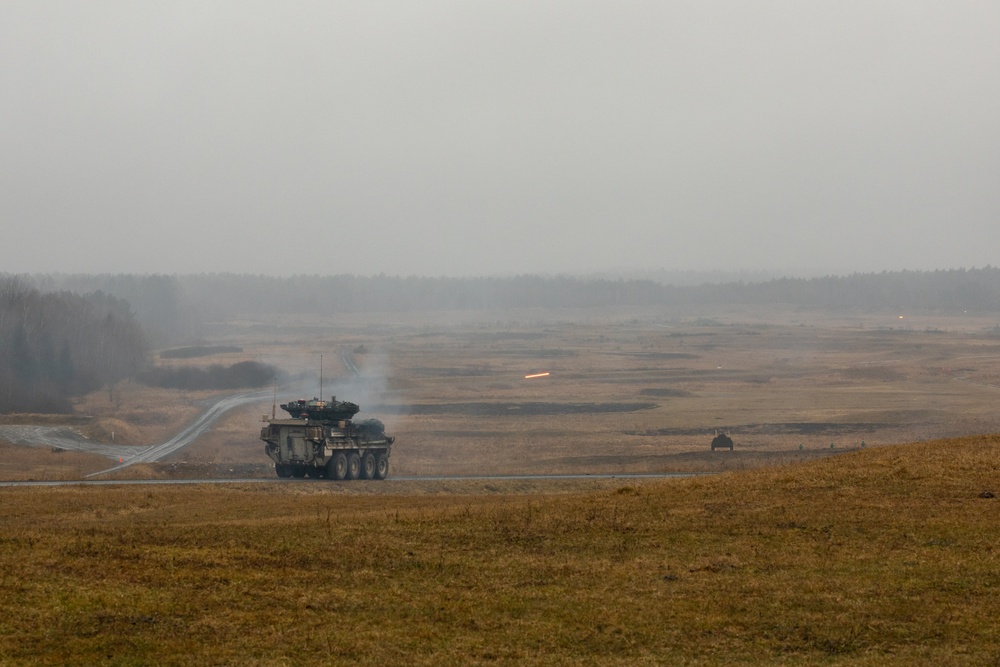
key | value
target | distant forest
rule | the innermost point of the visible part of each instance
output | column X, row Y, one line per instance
column 171, row 308
column 940, row 290
column 60, row 344
column 945, row 291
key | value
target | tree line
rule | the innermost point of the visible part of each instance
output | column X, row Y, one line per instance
column 216, row 376
column 173, row 309
column 156, row 300
column 231, row 294
column 57, row 345
column 60, row 344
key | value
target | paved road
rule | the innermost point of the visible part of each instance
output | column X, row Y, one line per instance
column 67, row 438
column 391, row 481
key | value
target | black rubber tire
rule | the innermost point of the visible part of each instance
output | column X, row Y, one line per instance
column 381, row 465
column 336, row 468
column 353, row 465
column 315, row 472
column 298, row 471
column 282, row 470
column 368, row 466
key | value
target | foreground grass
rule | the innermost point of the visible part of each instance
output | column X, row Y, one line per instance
column 884, row 556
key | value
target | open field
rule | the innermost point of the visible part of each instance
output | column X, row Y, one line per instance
column 631, row 394
column 628, row 391
column 883, row 555
column 886, row 556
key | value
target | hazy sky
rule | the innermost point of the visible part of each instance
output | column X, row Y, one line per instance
column 497, row 137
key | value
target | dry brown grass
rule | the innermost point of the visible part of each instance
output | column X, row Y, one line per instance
column 786, row 385
column 137, row 414
column 860, row 378
column 864, row 377
column 882, row 557
column 44, row 463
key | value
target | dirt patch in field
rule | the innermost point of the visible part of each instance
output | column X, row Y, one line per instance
column 44, row 419
column 664, row 392
column 212, row 470
column 704, row 461
column 19, row 462
column 789, row 428
column 684, row 462
column 508, row 409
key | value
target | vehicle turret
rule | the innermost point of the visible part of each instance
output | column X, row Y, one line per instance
column 324, row 412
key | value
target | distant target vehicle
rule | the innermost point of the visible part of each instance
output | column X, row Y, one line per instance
column 722, row 441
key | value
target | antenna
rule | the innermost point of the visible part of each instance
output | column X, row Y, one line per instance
column 321, row 377
column 274, row 405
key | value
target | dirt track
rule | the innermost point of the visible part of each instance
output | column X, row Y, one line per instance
column 61, row 438
column 70, row 439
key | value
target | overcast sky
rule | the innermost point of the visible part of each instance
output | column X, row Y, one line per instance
column 491, row 138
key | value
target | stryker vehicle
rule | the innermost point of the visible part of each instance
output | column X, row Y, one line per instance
column 320, row 440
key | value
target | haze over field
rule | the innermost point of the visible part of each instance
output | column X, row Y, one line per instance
column 455, row 138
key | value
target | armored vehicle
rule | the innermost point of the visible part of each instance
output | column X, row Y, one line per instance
column 722, row 441
column 320, row 440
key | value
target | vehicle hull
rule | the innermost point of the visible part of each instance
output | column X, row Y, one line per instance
column 343, row 450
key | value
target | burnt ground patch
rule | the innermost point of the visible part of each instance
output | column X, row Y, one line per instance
column 198, row 351
column 507, row 409
column 664, row 392
column 437, row 371
column 786, row 428
column 511, row 335
column 657, row 355
column 536, row 354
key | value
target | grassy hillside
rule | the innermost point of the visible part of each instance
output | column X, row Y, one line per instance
column 882, row 556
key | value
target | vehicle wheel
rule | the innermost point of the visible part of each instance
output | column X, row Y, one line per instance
column 298, row 471
column 381, row 466
column 353, row 465
column 336, row 468
column 368, row 466
column 282, row 470
column 316, row 472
